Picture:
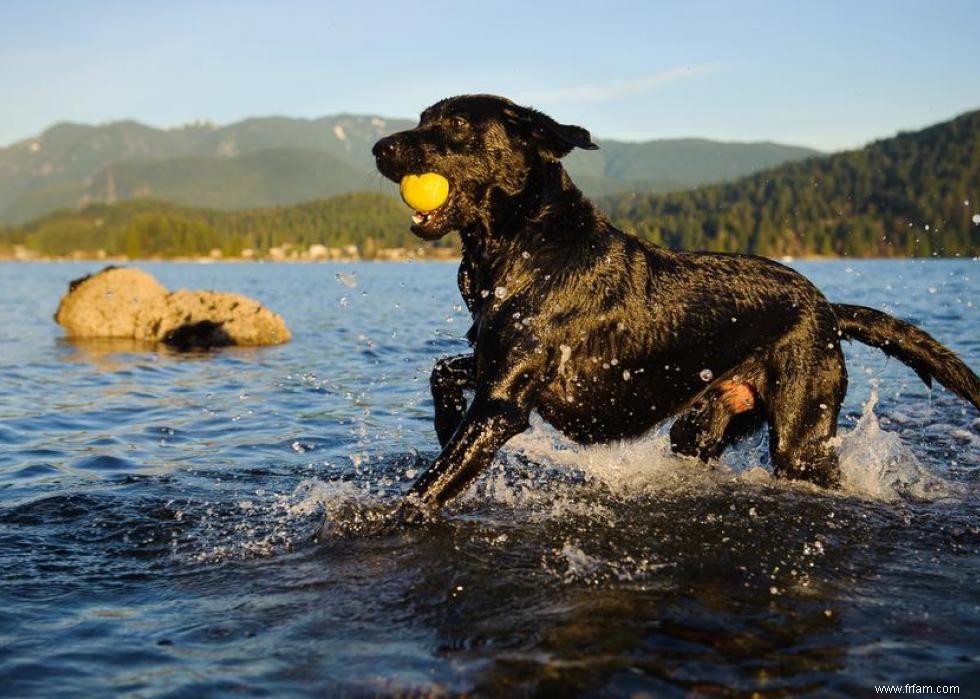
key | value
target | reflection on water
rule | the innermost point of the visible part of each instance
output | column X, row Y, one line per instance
column 212, row 524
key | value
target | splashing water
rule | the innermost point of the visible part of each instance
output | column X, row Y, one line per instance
column 217, row 525
column 877, row 464
column 542, row 476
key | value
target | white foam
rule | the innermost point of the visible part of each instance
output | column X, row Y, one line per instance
column 628, row 468
column 347, row 507
column 876, row 464
column 271, row 523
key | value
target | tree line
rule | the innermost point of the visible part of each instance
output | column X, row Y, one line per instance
column 917, row 194
column 147, row 228
column 913, row 195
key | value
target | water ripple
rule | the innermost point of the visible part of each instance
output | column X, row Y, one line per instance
column 210, row 524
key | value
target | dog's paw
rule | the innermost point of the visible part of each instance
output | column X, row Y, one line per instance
column 410, row 512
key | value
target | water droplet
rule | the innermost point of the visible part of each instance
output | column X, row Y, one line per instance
column 526, row 255
column 626, row 375
column 500, row 292
column 706, row 375
column 344, row 301
column 348, row 280
column 484, row 293
column 976, row 219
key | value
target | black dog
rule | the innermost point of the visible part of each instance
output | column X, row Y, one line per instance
column 606, row 335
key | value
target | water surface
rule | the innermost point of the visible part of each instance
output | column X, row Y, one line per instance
column 158, row 511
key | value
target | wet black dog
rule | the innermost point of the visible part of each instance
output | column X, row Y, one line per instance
column 606, row 335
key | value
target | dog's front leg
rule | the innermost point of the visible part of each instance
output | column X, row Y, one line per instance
column 450, row 377
column 510, row 375
column 487, row 426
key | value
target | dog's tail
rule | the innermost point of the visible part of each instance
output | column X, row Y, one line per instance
column 927, row 357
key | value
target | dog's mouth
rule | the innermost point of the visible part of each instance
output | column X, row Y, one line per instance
column 423, row 218
column 429, row 194
column 430, row 225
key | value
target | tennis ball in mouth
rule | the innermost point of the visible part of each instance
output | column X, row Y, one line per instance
column 425, row 192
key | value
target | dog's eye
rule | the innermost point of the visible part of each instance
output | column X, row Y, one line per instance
column 459, row 122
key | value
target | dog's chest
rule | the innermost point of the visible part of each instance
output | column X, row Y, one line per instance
column 596, row 397
column 594, row 404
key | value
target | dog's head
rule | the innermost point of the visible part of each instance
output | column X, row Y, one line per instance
column 481, row 144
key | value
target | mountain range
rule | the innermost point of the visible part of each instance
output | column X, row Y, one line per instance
column 915, row 194
column 279, row 160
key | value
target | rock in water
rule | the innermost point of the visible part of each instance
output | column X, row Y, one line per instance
column 129, row 303
column 107, row 303
column 210, row 319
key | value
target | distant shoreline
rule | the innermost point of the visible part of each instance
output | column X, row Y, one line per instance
column 222, row 260
column 286, row 253
column 122, row 260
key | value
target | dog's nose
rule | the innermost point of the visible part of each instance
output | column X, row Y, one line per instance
column 384, row 147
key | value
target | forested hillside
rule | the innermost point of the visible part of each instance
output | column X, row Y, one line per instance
column 915, row 194
column 154, row 229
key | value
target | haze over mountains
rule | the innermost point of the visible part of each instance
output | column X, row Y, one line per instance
column 279, row 160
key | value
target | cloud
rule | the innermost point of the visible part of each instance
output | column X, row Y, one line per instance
column 623, row 88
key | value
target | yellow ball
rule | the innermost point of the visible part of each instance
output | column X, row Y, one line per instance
column 424, row 192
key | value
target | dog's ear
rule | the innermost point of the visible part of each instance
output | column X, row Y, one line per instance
column 552, row 139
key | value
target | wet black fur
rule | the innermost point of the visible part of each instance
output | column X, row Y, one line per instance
column 606, row 335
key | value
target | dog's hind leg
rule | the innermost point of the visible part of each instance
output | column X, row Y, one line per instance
column 725, row 413
column 807, row 387
column 450, row 377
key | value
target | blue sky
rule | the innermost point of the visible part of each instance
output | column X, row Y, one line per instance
column 827, row 74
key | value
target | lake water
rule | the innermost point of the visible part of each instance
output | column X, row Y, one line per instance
column 158, row 512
